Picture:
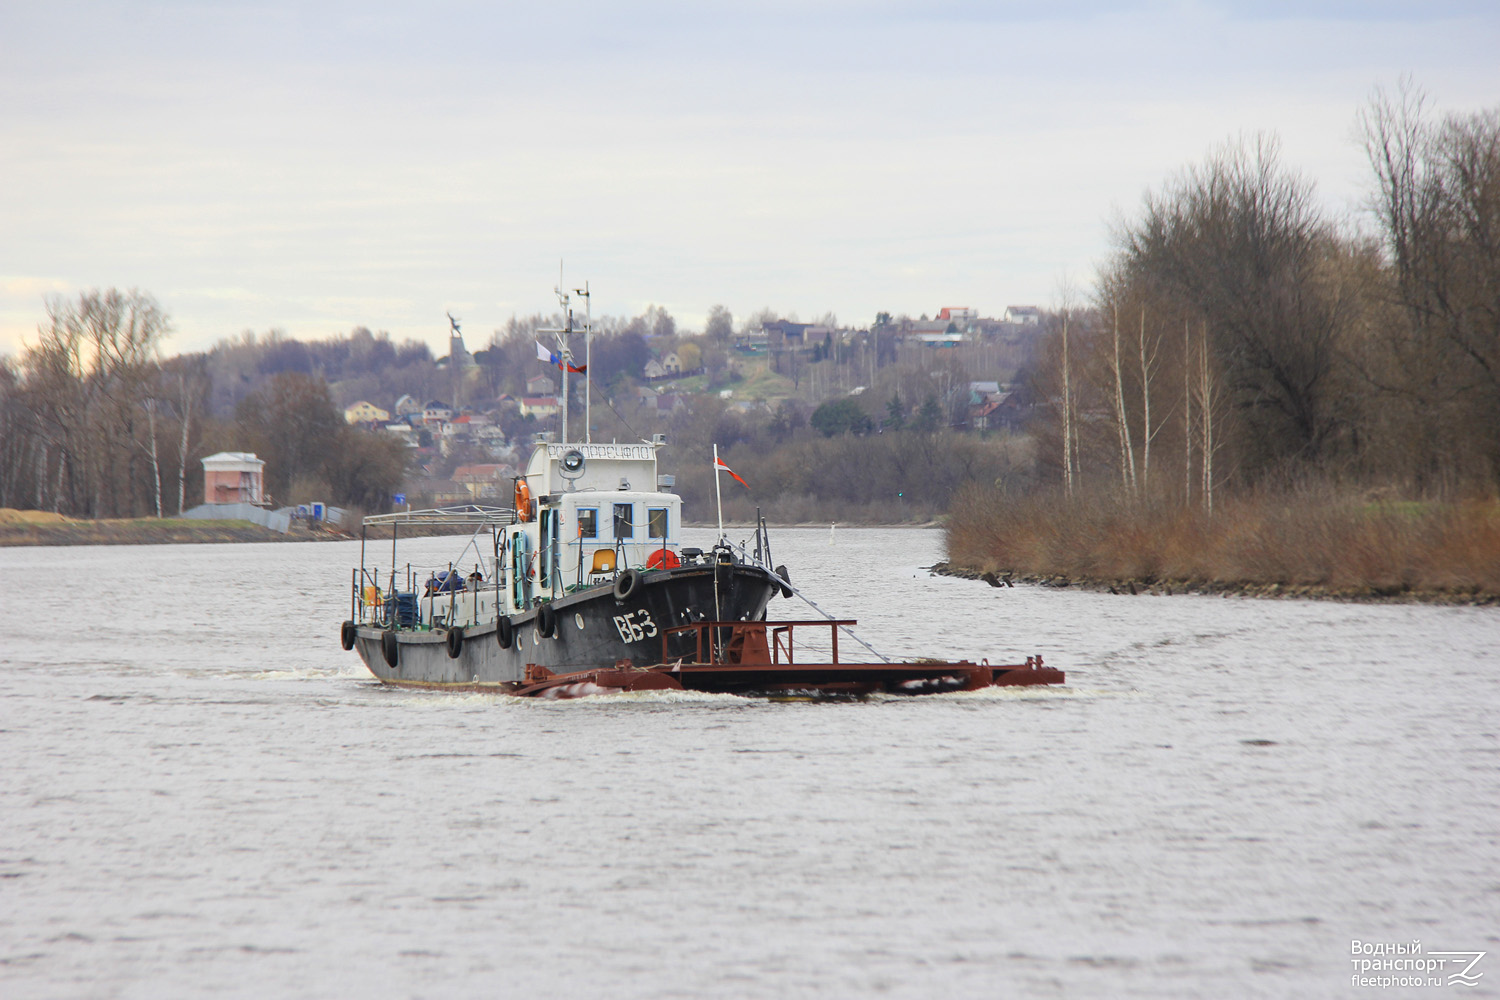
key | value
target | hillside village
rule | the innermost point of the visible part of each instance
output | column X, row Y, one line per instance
column 467, row 443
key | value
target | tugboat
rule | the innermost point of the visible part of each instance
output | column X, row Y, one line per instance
column 582, row 586
column 584, row 571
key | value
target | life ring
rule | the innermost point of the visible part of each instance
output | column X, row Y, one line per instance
column 347, row 634
column 505, row 631
column 523, row 500
column 455, row 641
column 786, row 587
column 626, row 584
column 390, row 647
column 663, row 559
column 546, row 621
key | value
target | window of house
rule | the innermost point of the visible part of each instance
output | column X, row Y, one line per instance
column 588, row 522
column 624, row 520
column 656, row 522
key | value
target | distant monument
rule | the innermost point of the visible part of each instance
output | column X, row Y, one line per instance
column 460, row 361
column 459, row 357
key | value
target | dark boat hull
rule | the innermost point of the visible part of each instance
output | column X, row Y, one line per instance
column 594, row 629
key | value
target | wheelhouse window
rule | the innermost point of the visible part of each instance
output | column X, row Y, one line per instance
column 624, row 520
column 588, row 522
column 656, row 522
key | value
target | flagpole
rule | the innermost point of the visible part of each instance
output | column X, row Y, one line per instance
column 588, row 357
column 718, row 498
column 562, row 348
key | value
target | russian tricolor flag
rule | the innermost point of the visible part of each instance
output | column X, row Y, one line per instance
column 556, row 360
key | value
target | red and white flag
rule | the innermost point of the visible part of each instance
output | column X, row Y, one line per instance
column 720, row 464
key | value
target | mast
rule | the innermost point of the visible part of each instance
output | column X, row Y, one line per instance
column 718, row 497
column 588, row 358
column 565, row 355
column 562, row 352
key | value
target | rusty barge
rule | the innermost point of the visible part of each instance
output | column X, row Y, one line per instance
column 758, row 658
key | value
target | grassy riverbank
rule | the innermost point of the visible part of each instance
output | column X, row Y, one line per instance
column 1306, row 544
column 35, row 527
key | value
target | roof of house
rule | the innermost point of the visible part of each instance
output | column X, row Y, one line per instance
column 230, row 459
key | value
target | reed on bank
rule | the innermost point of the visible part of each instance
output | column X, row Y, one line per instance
column 1317, row 540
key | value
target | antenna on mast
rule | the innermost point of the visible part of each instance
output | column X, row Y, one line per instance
column 588, row 358
column 566, row 355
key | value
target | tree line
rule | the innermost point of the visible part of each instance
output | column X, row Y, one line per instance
column 1238, row 336
column 95, row 424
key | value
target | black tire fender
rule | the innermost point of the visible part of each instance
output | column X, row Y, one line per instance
column 455, row 641
column 347, row 634
column 626, row 584
column 390, row 647
column 786, row 591
column 505, row 631
column 546, row 620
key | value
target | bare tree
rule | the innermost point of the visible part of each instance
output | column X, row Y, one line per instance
column 1240, row 241
column 1438, row 205
column 88, row 376
column 1122, row 421
column 1187, row 414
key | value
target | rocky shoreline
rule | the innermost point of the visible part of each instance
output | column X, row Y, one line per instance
column 1223, row 588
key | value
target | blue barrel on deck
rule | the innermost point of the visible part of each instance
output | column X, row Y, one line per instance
column 407, row 615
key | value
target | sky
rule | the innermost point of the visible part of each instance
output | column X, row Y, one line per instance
column 317, row 166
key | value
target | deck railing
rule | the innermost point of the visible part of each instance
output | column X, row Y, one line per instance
column 770, row 642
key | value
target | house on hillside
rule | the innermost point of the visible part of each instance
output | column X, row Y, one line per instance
column 783, row 334
column 670, row 402
column 365, row 413
column 403, row 430
column 938, row 340
column 436, row 411
column 751, row 343
column 979, row 392
column 541, row 385
column 540, row 406
column 1008, row 409
column 1023, row 314
column 234, row 477
column 484, row 482
column 406, row 406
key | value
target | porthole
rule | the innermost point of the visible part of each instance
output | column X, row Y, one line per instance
column 536, row 636
column 579, row 619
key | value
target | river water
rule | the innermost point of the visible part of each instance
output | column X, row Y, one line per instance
column 202, row 794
